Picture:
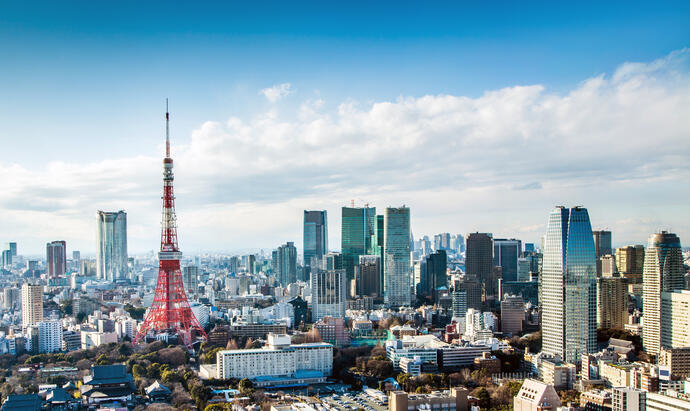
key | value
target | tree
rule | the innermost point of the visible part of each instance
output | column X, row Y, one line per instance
column 138, row 371
column 245, row 385
column 170, row 376
column 482, row 394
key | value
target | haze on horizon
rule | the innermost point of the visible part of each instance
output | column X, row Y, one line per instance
column 477, row 118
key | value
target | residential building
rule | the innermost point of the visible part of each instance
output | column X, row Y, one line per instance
column 596, row 400
column 328, row 294
column 91, row 339
column 675, row 319
column 358, row 234
column 453, row 400
column 569, row 305
column 607, row 266
column 56, row 258
column 512, row 314
column 315, row 238
column 535, row 395
column 49, row 336
column 396, row 257
column 286, row 264
column 32, row 304
column 630, row 262
column 663, row 272
column 612, row 302
column 479, row 263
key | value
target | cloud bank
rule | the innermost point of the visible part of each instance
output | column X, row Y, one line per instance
column 617, row 144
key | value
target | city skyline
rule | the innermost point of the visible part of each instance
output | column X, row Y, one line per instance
column 256, row 150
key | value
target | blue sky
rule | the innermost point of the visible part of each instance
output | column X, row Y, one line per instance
column 82, row 83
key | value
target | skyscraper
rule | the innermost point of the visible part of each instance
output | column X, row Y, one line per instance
column 663, row 272
column 32, row 304
column 602, row 242
column 396, row 256
column 190, row 278
column 630, row 262
column 287, row 264
column 506, row 254
column 435, row 278
column 675, row 319
column 357, row 234
column 479, row 262
column 315, row 238
column 112, row 246
column 612, row 302
column 367, row 276
column 569, row 305
column 328, row 294
column 56, row 258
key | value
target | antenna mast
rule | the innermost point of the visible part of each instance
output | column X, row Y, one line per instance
column 167, row 130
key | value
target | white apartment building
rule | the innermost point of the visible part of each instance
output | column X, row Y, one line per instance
column 279, row 358
column 95, row 338
column 49, row 336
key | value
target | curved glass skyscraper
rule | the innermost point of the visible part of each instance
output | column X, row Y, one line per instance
column 569, row 307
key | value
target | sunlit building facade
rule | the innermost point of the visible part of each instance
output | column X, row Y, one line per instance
column 396, row 258
column 111, row 261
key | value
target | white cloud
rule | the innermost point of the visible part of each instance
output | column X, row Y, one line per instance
column 617, row 144
column 277, row 92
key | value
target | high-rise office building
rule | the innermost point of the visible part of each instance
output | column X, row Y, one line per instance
column 630, row 262
column 358, row 231
column 112, row 246
column 287, row 264
column 10, row 297
column 328, row 294
column 190, row 278
column 315, row 240
column 442, row 241
column 602, row 242
column 396, row 256
column 512, row 314
column 479, row 262
column 368, row 276
column 434, row 278
column 569, row 305
column 675, row 319
column 56, row 258
column 663, row 272
column 612, row 302
column 32, row 304
column 459, row 303
column 506, row 255
column 332, row 261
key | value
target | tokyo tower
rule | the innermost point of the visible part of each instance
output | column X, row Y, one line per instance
column 170, row 311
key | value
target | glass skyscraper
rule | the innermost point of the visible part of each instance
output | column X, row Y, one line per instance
column 396, row 256
column 569, row 305
column 112, row 246
column 506, row 254
column 315, row 238
column 358, row 231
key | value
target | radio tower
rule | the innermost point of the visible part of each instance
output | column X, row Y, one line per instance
column 170, row 311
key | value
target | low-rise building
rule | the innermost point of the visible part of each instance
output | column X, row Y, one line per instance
column 488, row 362
column 596, row 400
column 536, row 395
column 332, row 330
column 412, row 366
column 559, row 374
column 628, row 399
column 108, row 384
column 453, row 400
column 677, row 360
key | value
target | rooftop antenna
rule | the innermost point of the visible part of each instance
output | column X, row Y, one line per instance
column 167, row 130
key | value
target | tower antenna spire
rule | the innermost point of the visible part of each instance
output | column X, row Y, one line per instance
column 167, row 130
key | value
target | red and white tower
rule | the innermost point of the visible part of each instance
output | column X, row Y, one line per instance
column 170, row 311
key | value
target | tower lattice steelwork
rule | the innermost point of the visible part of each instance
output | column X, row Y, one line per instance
column 170, row 311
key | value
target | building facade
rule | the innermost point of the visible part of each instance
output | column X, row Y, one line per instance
column 111, row 261
column 358, row 236
column 663, row 272
column 506, row 255
column 32, row 304
column 315, row 238
column 569, row 306
column 674, row 326
column 56, row 258
column 612, row 302
column 328, row 294
column 479, row 262
column 630, row 262
column 286, row 264
column 396, row 258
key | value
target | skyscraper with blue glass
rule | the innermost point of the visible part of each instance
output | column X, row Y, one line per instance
column 569, row 306
column 358, row 230
column 396, row 256
column 315, row 238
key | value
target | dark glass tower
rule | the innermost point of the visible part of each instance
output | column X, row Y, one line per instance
column 357, row 234
column 315, row 238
